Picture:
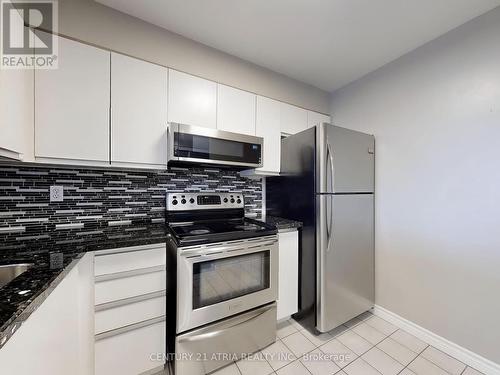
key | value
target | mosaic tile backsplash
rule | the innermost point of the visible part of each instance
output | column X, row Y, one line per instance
column 95, row 199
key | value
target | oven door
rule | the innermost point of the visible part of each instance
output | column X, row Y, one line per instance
column 193, row 144
column 214, row 282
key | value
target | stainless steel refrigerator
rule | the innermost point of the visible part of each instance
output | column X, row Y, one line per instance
column 327, row 182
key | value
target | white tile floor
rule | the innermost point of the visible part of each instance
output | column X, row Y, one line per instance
column 366, row 345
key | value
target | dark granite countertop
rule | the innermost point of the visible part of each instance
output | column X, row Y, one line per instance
column 52, row 259
column 282, row 223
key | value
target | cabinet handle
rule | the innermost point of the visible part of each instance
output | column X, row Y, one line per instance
column 124, row 274
column 130, row 300
column 131, row 327
column 121, row 250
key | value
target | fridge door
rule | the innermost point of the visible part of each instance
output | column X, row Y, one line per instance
column 345, row 160
column 345, row 258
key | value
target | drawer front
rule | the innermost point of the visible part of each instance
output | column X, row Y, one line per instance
column 130, row 313
column 258, row 327
column 132, row 352
column 129, row 260
column 131, row 286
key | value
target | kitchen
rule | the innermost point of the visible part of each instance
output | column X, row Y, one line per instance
column 173, row 201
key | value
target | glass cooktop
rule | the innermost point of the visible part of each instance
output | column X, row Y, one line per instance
column 219, row 230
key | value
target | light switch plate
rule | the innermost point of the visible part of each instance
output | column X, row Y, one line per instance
column 56, row 194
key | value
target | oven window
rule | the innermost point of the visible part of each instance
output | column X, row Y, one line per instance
column 200, row 147
column 220, row 280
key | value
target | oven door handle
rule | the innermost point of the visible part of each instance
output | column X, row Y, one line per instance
column 218, row 332
column 195, row 257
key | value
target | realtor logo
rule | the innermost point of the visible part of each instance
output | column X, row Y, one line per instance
column 23, row 43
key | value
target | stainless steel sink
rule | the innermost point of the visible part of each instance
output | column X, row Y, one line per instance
column 9, row 272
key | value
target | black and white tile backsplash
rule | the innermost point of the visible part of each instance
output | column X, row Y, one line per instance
column 100, row 198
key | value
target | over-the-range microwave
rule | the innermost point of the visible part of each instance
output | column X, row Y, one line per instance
column 194, row 144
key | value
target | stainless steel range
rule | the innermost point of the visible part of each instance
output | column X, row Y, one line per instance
column 223, row 275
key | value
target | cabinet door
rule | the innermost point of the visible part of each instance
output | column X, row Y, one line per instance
column 235, row 110
column 138, row 112
column 191, row 100
column 315, row 118
column 293, row 119
column 16, row 108
column 65, row 321
column 268, row 127
column 72, row 105
column 288, row 290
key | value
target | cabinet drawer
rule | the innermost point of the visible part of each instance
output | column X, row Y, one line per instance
column 129, row 260
column 108, row 318
column 132, row 352
column 129, row 286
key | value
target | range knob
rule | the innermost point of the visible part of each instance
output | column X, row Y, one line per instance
column 232, row 200
column 225, row 200
column 191, row 200
column 183, row 201
column 174, row 202
column 238, row 201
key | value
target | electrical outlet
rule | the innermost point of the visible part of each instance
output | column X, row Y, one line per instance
column 56, row 194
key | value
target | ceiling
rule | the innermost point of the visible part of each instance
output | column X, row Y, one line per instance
column 326, row 43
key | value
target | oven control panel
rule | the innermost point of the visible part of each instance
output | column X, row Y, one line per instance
column 203, row 201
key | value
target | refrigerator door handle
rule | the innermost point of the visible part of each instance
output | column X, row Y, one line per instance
column 329, row 155
column 328, row 221
column 330, row 225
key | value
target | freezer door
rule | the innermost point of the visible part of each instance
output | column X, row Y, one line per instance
column 345, row 160
column 345, row 258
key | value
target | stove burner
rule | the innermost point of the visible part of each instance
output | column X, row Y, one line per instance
column 199, row 231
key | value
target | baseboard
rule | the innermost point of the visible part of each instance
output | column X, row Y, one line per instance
column 464, row 355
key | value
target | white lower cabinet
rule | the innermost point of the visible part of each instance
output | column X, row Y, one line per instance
column 57, row 338
column 129, row 259
column 127, row 312
column 108, row 290
column 132, row 351
column 288, row 279
column 130, row 306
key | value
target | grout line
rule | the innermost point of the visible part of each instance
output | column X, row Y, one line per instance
column 237, row 368
column 434, row 363
column 367, row 364
column 414, row 359
column 391, row 355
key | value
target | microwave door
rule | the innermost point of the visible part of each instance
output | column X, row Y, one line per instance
column 211, row 146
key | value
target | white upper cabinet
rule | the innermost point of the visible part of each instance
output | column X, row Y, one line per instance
column 191, row 100
column 235, row 110
column 315, row 118
column 293, row 119
column 268, row 127
column 72, row 106
column 138, row 112
column 16, row 109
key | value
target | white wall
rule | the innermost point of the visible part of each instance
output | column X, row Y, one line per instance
column 88, row 21
column 435, row 114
